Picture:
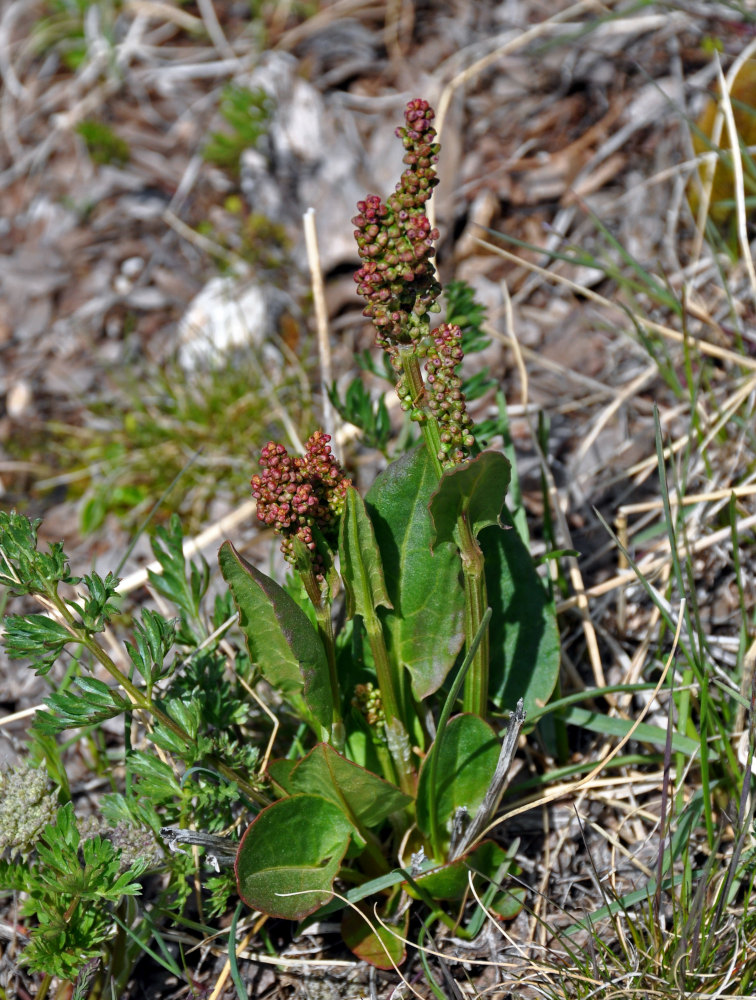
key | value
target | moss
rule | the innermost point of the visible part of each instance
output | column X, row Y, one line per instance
column 103, row 145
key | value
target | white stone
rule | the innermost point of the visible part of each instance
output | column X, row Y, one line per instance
column 226, row 315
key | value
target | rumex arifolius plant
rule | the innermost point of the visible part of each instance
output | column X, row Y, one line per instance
column 441, row 602
column 405, row 605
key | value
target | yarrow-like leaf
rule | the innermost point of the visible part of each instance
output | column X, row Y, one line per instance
column 185, row 589
column 37, row 637
column 23, row 568
column 98, row 608
column 72, row 883
column 154, row 638
column 92, row 702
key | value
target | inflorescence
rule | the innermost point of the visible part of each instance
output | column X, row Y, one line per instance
column 446, row 401
column 367, row 700
column 301, row 497
column 27, row 806
column 397, row 280
column 395, row 241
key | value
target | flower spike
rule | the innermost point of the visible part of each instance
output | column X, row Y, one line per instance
column 395, row 240
column 299, row 497
column 446, row 401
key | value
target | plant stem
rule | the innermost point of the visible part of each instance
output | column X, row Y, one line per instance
column 414, row 380
column 325, row 630
column 395, row 730
column 443, row 720
column 475, row 698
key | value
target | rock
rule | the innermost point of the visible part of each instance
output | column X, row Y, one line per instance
column 231, row 313
column 311, row 156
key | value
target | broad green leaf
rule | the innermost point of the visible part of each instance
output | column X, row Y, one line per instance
column 469, row 752
column 474, row 490
column 362, row 796
column 426, row 626
column 279, row 772
column 509, row 902
column 451, row 881
column 294, row 845
column 380, row 945
column 360, row 560
column 279, row 635
column 524, row 639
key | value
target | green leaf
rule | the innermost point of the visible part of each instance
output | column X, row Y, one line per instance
column 184, row 589
column 188, row 714
column 154, row 638
column 93, row 512
column 468, row 754
column 524, row 638
column 92, row 703
column 247, row 112
column 279, row 772
column 166, row 739
column 371, row 941
column 464, row 311
column 88, row 870
column 358, row 408
column 37, row 637
column 294, row 845
column 450, row 881
column 98, row 607
column 425, row 627
column 23, row 569
column 597, row 722
column 157, row 780
column 360, row 559
column 364, row 797
column 474, row 490
column 76, row 884
column 16, row 876
column 279, row 636
column 62, row 947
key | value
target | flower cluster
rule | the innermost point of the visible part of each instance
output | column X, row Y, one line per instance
column 395, row 240
column 27, row 805
column 134, row 843
column 300, row 497
column 367, row 700
column 446, row 401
